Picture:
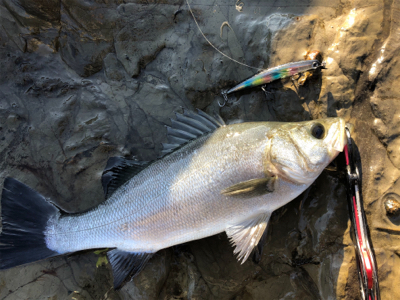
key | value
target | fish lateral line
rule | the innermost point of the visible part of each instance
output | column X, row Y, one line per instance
column 188, row 127
column 29, row 220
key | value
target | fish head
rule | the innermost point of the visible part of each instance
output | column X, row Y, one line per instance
column 300, row 151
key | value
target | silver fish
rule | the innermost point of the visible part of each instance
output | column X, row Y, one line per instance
column 213, row 178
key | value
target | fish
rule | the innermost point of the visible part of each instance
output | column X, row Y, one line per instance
column 212, row 178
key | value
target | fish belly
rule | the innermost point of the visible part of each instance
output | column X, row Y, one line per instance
column 175, row 200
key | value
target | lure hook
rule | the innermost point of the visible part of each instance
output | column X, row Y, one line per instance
column 299, row 76
column 264, row 88
column 225, row 99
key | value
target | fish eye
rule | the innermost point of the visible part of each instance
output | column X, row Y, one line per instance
column 315, row 65
column 318, row 131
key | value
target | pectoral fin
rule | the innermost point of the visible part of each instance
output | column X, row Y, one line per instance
column 251, row 188
column 246, row 235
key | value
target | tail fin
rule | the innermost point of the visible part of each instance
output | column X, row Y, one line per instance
column 24, row 215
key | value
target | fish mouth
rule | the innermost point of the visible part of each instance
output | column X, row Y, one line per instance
column 336, row 137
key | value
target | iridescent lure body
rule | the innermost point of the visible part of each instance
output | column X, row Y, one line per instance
column 282, row 71
column 279, row 72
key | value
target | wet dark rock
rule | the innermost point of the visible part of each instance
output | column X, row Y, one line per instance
column 152, row 279
column 142, row 34
column 113, row 69
column 214, row 259
column 184, row 280
column 82, row 81
column 84, row 57
column 36, row 13
column 86, row 35
column 47, row 10
column 301, row 280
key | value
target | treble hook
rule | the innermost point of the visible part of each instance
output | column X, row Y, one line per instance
column 299, row 76
column 264, row 88
column 225, row 99
column 294, row 79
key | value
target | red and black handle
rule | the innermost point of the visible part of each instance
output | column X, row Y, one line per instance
column 367, row 270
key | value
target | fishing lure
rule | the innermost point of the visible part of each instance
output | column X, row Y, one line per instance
column 269, row 75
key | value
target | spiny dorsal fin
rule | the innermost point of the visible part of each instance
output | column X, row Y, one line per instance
column 189, row 126
column 251, row 188
column 126, row 263
column 246, row 235
column 186, row 127
column 118, row 171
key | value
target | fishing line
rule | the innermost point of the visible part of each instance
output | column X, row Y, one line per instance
column 219, row 51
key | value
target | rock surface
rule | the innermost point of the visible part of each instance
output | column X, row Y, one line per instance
column 82, row 81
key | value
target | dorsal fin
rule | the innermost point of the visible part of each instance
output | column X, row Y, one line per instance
column 186, row 127
column 189, row 126
column 118, row 171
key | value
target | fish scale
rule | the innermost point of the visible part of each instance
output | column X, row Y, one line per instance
column 153, row 200
column 229, row 178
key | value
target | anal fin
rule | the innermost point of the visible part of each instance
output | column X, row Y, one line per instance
column 246, row 235
column 126, row 263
